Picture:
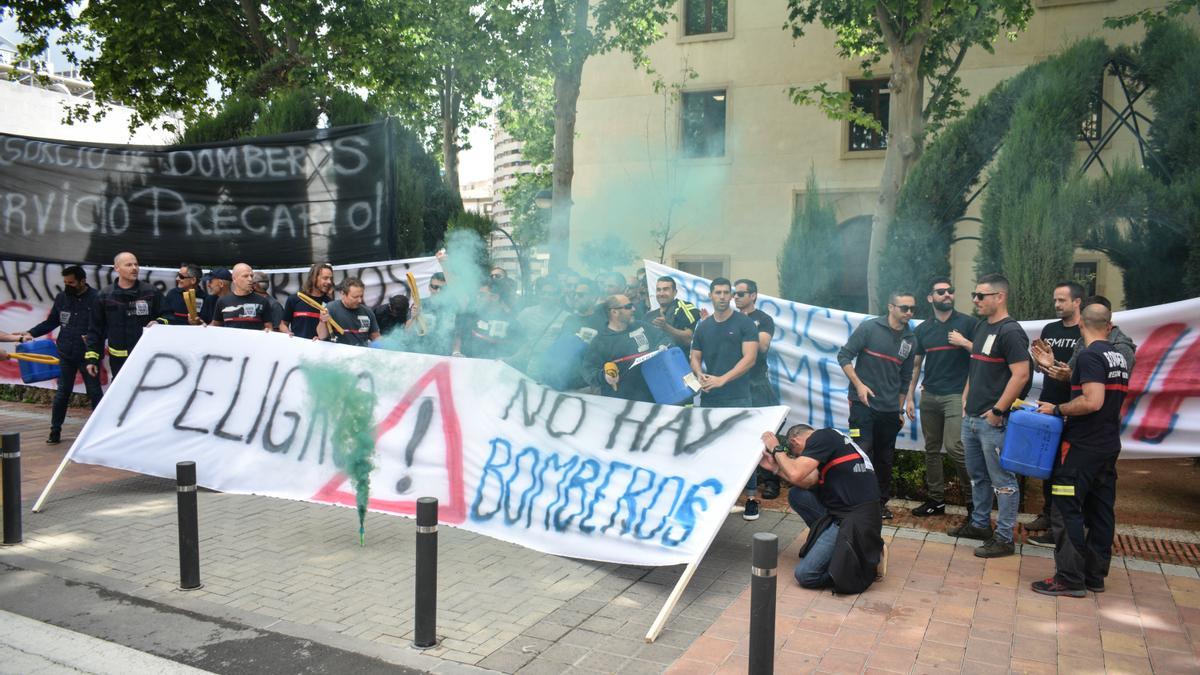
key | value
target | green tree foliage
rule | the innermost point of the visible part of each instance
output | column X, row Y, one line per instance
column 927, row 41
column 1037, row 157
column 529, row 221
column 810, row 261
column 1153, row 15
column 558, row 37
column 935, row 195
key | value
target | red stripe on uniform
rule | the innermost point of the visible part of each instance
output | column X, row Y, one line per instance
column 941, row 349
column 840, row 460
column 243, row 318
column 311, row 315
column 883, row 356
column 987, row 359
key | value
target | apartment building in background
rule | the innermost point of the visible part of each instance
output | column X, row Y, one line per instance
column 723, row 164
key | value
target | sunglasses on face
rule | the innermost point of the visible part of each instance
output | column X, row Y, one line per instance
column 981, row 296
column 184, row 276
column 741, row 294
column 944, row 291
column 906, row 309
column 435, row 288
column 625, row 306
column 497, row 276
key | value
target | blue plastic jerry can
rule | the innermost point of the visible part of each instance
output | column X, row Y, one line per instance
column 666, row 374
column 1031, row 443
column 38, row 372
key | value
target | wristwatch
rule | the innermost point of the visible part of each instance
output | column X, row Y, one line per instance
column 1058, row 411
column 785, row 450
column 997, row 412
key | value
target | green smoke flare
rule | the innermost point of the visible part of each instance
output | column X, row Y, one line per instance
column 350, row 407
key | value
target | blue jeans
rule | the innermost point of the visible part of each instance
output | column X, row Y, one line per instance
column 813, row 570
column 981, row 446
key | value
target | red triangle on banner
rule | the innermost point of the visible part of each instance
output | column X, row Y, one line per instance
column 455, row 512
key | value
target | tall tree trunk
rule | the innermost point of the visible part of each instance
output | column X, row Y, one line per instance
column 450, row 103
column 906, row 125
column 566, row 97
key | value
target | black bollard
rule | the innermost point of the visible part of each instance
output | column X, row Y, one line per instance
column 765, row 558
column 10, row 464
column 425, row 621
column 189, row 527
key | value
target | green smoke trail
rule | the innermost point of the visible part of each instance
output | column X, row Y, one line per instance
column 351, row 409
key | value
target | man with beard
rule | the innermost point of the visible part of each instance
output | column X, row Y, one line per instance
column 219, row 283
column 609, row 361
column 186, row 279
column 945, row 351
column 359, row 326
column 70, row 314
column 1060, row 338
column 299, row 318
column 243, row 308
column 121, row 312
column 878, row 361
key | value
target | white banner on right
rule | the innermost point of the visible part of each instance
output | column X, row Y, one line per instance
column 1161, row 417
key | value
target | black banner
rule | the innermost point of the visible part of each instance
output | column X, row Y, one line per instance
column 320, row 195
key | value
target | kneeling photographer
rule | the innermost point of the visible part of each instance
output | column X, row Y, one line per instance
column 836, row 493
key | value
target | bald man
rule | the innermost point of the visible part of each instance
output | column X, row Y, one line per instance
column 122, row 311
column 243, row 308
column 1084, row 481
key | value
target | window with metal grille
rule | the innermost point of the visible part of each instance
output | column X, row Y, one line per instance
column 871, row 96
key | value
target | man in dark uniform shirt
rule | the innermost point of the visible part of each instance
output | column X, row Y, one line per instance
column 299, row 318
column 1085, row 476
column 123, row 310
column 186, row 279
column 219, row 282
column 945, row 351
column 358, row 323
column 243, row 308
column 1060, row 337
column 762, row 393
column 836, row 493
column 622, row 341
column 674, row 317
column 71, row 314
column 878, row 361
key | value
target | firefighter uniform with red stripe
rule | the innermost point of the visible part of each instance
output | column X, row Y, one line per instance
column 1084, row 482
column 301, row 318
column 118, row 319
column 883, row 360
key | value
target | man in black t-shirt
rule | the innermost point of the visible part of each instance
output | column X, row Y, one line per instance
column 999, row 375
column 878, row 361
column 835, row 491
column 1085, row 475
column 186, row 279
column 944, row 348
column 762, row 393
column 1059, row 338
column 358, row 323
column 243, row 308
column 724, row 348
column 299, row 318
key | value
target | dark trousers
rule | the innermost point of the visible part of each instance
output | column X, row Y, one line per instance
column 1082, row 517
column 66, row 384
column 875, row 432
column 115, row 363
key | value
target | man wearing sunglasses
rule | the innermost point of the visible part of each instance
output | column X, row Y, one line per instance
column 998, row 375
column 946, row 354
column 186, row 279
column 621, row 342
column 745, row 298
column 878, row 361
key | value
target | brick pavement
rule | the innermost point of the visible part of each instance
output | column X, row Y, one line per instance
column 509, row 609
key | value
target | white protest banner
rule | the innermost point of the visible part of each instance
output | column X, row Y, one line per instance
column 27, row 291
column 568, row 474
column 1161, row 417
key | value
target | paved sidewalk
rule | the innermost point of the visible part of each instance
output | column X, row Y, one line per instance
column 296, row 569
